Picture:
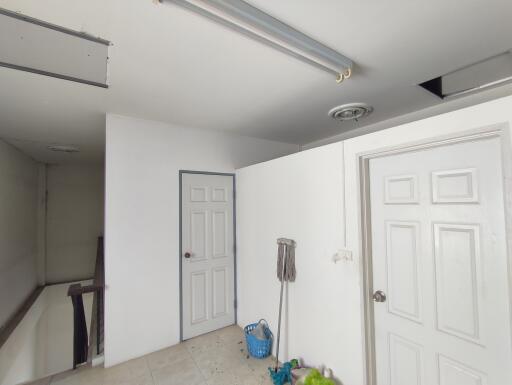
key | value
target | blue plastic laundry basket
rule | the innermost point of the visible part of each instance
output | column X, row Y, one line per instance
column 258, row 348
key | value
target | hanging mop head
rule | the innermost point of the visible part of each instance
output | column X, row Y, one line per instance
column 286, row 251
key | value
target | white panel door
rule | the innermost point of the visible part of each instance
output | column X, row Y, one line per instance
column 439, row 256
column 208, row 275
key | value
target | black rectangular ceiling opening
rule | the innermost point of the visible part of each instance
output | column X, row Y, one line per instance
column 488, row 73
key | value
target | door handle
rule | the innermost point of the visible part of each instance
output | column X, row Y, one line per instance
column 379, row 296
column 187, row 255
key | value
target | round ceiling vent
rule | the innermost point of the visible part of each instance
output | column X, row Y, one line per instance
column 352, row 111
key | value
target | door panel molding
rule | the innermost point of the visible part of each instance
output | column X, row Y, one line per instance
column 219, row 230
column 501, row 131
column 404, row 301
column 198, row 194
column 466, row 178
column 199, row 286
column 198, row 241
column 219, row 305
column 405, row 361
column 447, row 238
column 452, row 372
column 396, row 186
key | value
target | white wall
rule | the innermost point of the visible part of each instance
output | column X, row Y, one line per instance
column 329, row 330
column 18, row 229
column 75, row 217
column 141, row 223
column 300, row 197
column 74, row 220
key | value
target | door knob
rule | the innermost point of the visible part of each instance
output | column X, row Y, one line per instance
column 379, row 296
column 187, row 255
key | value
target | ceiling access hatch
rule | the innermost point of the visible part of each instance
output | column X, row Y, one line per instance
column 488, row 73
column 39, row 47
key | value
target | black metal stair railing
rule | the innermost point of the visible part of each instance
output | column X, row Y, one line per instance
column 76, row 292
column 80, row 342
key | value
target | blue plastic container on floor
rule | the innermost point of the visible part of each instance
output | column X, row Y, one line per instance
column 258, row 348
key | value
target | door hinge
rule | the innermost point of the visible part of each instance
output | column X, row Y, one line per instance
column 235, row 304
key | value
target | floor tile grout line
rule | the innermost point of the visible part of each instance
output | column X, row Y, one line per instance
column 197, row 365
column 149, row 369
column 198, row 368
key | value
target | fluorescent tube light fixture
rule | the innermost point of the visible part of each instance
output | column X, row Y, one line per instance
column 266, row 29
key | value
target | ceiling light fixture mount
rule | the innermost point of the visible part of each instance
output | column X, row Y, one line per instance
column 351, row 111
column 343, row 75
column 250, row 21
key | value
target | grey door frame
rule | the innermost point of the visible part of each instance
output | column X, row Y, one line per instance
column 233, row 176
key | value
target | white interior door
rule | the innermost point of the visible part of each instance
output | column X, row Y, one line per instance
column 439, row 255
column 208, row 274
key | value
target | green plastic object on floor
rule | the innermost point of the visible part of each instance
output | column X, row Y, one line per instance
column 315, row 378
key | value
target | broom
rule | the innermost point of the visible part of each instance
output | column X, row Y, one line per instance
column 285, row 272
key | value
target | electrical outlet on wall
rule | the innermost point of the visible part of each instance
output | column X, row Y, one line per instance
column 342, row 255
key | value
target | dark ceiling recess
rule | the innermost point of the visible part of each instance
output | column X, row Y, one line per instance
column 488, row 73
column 435, row 86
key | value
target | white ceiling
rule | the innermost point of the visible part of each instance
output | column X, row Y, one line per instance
column 170, row 65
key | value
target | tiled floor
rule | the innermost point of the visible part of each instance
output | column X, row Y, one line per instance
column 217, row 358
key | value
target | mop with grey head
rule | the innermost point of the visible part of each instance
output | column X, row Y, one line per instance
column 285, row 272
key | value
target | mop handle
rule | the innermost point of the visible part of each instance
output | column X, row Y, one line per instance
column 280, row 308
